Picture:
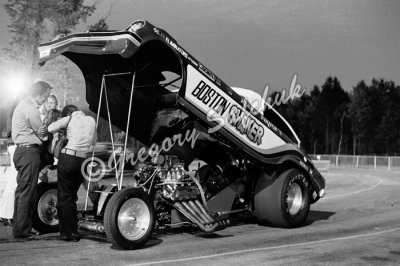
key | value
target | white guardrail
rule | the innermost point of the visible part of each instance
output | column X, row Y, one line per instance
column 357, row 161
column 322, row 165
column 322, row 162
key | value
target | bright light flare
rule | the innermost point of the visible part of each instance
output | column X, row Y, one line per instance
column 14, row 85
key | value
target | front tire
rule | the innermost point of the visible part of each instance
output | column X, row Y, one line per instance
column 283, row 202
column 129, row 218
column 45, row 219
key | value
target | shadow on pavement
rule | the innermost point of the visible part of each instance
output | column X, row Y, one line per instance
column 213, row 235
column 154, row 241
column 318, row 215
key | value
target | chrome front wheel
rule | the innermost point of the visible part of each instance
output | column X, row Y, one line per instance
column 129, row 218
column 134, row 219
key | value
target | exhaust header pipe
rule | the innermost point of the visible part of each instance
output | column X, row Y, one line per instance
column 192, row 217
column 195, row 212
column 91, row 226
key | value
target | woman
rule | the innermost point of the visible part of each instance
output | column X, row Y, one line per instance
column 47, row 157
column 49, row 161
column 81, row 132
column 50, row 104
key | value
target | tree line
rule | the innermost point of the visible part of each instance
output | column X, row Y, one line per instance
column 330, row 120
column 327, row 120
column 33, row 22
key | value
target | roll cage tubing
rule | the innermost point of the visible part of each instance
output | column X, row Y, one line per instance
column 104, row 89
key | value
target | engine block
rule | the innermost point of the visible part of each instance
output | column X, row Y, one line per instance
column 185, row 193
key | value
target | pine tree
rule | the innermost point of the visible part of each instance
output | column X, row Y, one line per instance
column 32, row 20
column 329, row 103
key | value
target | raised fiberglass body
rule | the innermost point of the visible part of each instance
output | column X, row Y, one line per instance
column 143, row 82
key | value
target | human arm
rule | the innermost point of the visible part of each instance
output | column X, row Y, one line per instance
column 32, row 117
column 59, row 124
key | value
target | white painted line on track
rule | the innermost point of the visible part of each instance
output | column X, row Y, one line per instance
column 380, row 181
column 270, row 248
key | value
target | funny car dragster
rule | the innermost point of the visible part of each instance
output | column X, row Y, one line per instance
column 248, row 161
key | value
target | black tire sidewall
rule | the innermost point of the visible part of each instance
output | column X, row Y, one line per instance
column 295, row 176
column 37, row 223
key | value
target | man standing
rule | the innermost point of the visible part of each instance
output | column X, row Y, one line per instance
column 27, row 133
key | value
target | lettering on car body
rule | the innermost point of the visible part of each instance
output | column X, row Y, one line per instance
column 207, row 72
column 237, row 117
column 227, row 113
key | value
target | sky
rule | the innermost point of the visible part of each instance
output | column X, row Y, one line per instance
column 253, row 43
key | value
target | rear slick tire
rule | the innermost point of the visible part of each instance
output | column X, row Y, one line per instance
column 283, row 202
column 129, row 218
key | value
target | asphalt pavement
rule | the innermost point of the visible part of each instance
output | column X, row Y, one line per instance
column 357, row 223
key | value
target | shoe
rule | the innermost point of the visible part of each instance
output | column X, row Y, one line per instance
column 30, row 236
column 71, row 237
column 8, row 222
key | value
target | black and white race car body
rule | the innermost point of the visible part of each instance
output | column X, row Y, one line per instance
column 143, row 82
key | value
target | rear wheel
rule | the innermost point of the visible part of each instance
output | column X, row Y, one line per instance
column 283, row 202
column 129, row 218
column 45, row 219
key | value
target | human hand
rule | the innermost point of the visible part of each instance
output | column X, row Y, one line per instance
column 42, row 131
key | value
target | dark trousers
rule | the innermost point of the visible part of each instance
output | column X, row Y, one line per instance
column 27, row 163
column 69, row 180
